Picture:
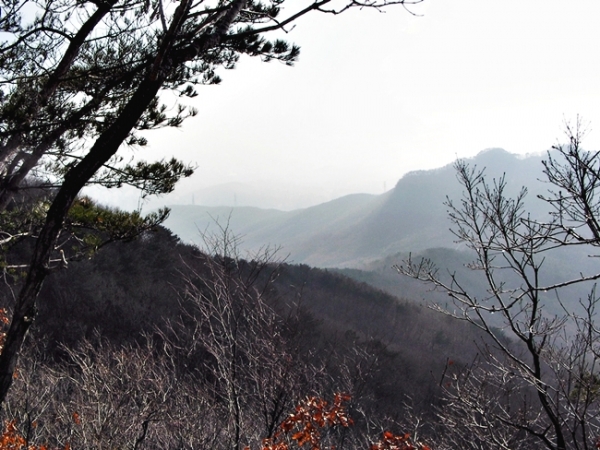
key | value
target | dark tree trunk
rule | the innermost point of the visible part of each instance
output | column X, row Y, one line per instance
column 105, row 147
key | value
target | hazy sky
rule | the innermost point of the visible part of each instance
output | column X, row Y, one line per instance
column 374, row 96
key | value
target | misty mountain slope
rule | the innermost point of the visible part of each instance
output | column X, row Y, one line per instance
column 189, row 222
column 560, row 265
column 414, row 217
column 353, row 230
column 321, row 235
column 258, row 228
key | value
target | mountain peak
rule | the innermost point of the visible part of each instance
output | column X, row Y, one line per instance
column 493, row 151
column 493, row 156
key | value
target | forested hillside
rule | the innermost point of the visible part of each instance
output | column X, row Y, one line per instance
column 156, row 314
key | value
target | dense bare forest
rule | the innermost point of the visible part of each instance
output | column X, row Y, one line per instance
column 156, row 344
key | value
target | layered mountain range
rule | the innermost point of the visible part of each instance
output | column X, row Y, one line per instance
column 355, row 230
column 363, row 236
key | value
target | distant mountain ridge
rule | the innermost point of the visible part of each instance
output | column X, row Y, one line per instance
column 269, row 195
column 357, row 229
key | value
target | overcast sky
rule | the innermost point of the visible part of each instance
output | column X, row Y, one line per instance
column 374, row 96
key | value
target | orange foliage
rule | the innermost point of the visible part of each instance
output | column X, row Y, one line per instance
column 304, row 426
column 76, row 418
column 306, row 423
column 391, row 441
column 11, row 439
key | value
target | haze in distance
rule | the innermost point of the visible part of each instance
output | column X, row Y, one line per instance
column 377, row 95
